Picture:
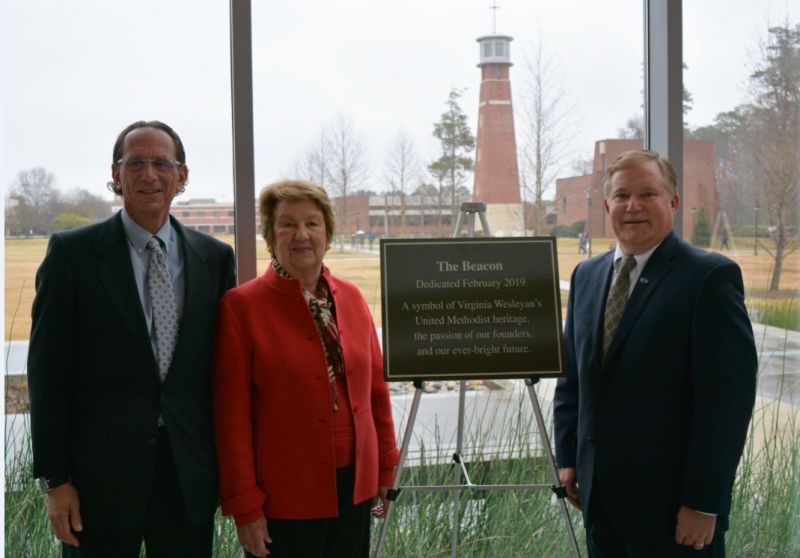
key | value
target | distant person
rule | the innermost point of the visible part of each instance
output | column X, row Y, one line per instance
column 581, row 243
column 119, row 366
column 303, row 419
column 723, row 244
column 652, row 413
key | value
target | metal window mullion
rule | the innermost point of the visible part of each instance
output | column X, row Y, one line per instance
column 663, row 86
column 243, row 150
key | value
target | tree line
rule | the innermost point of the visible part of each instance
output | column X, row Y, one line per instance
column 336, row 159
column 758, row 147
column 34, row 206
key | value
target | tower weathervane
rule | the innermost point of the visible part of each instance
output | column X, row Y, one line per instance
column 494, row 7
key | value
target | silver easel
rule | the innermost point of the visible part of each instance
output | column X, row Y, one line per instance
column 462, row 480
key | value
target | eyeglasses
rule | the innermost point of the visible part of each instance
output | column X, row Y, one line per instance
column 160, row 165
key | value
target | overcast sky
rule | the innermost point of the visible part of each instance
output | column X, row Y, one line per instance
column 75, row 73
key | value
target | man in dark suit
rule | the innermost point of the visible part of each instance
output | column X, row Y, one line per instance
column 120, row 402
column 652, row 413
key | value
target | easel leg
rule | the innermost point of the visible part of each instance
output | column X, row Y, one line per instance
column 456, row 494
column 395, row 492
column 537, row 411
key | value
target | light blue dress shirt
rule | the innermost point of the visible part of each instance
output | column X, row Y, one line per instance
column 140, row 256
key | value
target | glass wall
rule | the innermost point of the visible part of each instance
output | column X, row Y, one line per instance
column 74, row 75
column 741, row 180
column 376, row 78
column 743, row 133
column 360, row 97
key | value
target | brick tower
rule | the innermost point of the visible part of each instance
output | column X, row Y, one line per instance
column 496, row 171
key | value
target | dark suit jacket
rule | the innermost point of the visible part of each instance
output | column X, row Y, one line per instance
column 95, row 390
column 662, row 421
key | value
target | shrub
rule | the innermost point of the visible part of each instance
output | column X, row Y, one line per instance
column 563, row 231
column 578, row 227
column 68, row 220
column 701, row 236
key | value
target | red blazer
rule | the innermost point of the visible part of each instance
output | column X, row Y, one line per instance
column 273, row 417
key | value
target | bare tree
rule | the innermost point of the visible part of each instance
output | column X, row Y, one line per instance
column 82, row 202
column 313, row 164
column 634, row 127
column 347, row 165
column 735, row 199
column 582, row 166
column 772, row 138
column 758, row 146
column 548, row 128
column 401, row 173
column 35, row 202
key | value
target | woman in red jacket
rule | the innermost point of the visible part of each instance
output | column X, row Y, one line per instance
column 302, row 416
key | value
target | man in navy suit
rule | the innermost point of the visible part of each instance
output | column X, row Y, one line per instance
column 121, row 424
column 650, row 423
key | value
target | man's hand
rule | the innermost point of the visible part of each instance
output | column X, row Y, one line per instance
column 254, row 537
column 569, row 479
column 63, row 511
column 694, row 528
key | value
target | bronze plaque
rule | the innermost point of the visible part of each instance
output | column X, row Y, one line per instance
column 470, row 308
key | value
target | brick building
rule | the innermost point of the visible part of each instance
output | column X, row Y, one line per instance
column 580, row 196
column 379, row 215
column 201, row 214
column 394, row 215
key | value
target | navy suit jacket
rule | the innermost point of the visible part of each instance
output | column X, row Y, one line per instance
column 662, row 421
column 95, row 390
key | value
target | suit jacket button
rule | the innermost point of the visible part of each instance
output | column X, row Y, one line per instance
column 590, row 439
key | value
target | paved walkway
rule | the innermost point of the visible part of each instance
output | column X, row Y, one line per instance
column 779, row 362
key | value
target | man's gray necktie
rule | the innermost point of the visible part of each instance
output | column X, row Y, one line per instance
column 164, row 307
column 615, row 303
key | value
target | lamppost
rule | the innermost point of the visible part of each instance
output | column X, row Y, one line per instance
column 755, row 231
column 587, row 229
column 602, row 148
column 694, row 212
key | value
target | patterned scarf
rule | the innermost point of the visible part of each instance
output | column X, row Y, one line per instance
column 320, row 303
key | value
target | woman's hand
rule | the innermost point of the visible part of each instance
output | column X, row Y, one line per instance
column 254, row 537
column 379, row 502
